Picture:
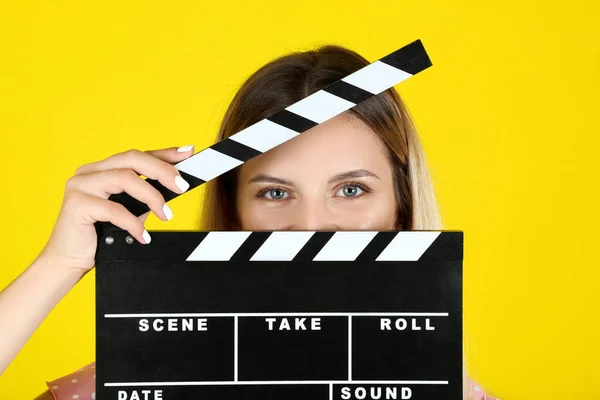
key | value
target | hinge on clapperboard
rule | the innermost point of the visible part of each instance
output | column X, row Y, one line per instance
column 270, row 132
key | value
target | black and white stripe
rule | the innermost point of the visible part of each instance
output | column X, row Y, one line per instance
column 293, row 120
column 313, row 246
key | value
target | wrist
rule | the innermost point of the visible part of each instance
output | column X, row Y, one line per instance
column 57, row 267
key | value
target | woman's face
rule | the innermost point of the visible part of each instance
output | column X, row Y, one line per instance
column 334, row 177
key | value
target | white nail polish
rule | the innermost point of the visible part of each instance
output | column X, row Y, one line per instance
column 181, row 183
column 168, row 212
column 146, row 236
column 184, row 149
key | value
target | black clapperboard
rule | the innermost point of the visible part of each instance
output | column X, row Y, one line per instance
column 281, row 315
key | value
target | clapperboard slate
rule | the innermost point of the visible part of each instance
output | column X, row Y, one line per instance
column 281, row 315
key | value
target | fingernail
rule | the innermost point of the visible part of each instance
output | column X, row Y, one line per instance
column 168, row 212
column 181, row 183
column 183, row 149
column 146, row 236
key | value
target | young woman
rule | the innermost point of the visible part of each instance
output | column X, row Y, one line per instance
column 362, row 170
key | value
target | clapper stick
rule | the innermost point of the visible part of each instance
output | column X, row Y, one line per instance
column 288, row 123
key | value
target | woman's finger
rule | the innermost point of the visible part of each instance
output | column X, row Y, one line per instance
column 94, row 209
column 104, row 183
column 172, row 155
column 144, row 217
column 143, row 164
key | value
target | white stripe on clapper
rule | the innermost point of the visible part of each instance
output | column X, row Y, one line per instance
column 218, row 246
column 282, row 246
column 408, row 246
column 345, row 246
column 376, row 77
column 320, row 106
column 264, row 135
column 208, row 164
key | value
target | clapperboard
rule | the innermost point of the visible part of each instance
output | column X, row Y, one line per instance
column 281, row 315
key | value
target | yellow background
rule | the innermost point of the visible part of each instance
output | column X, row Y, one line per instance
column 507, row 114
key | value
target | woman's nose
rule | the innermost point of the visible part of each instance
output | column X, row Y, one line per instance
column 313, row 217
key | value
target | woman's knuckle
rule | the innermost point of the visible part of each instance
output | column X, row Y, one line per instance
column 73, row 198
column 125, row 174
column 71, row 183
column 132, row 154
column 82, row 169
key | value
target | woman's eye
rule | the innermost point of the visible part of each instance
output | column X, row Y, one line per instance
column 350, row 191
column 276, row 194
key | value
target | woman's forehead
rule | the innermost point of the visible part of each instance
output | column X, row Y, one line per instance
column 337, row 145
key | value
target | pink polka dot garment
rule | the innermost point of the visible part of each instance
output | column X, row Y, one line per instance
column 81, row 385
column 476, row 392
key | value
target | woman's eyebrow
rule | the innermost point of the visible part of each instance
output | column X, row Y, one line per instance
column 357, row 173
column 264, row 178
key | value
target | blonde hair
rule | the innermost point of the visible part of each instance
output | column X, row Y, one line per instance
column 425, row 210
column 294, row 76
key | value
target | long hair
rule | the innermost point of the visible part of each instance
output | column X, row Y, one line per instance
column 294, row 76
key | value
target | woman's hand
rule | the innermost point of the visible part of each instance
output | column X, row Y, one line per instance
column 72, row 243
column 70, row 251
